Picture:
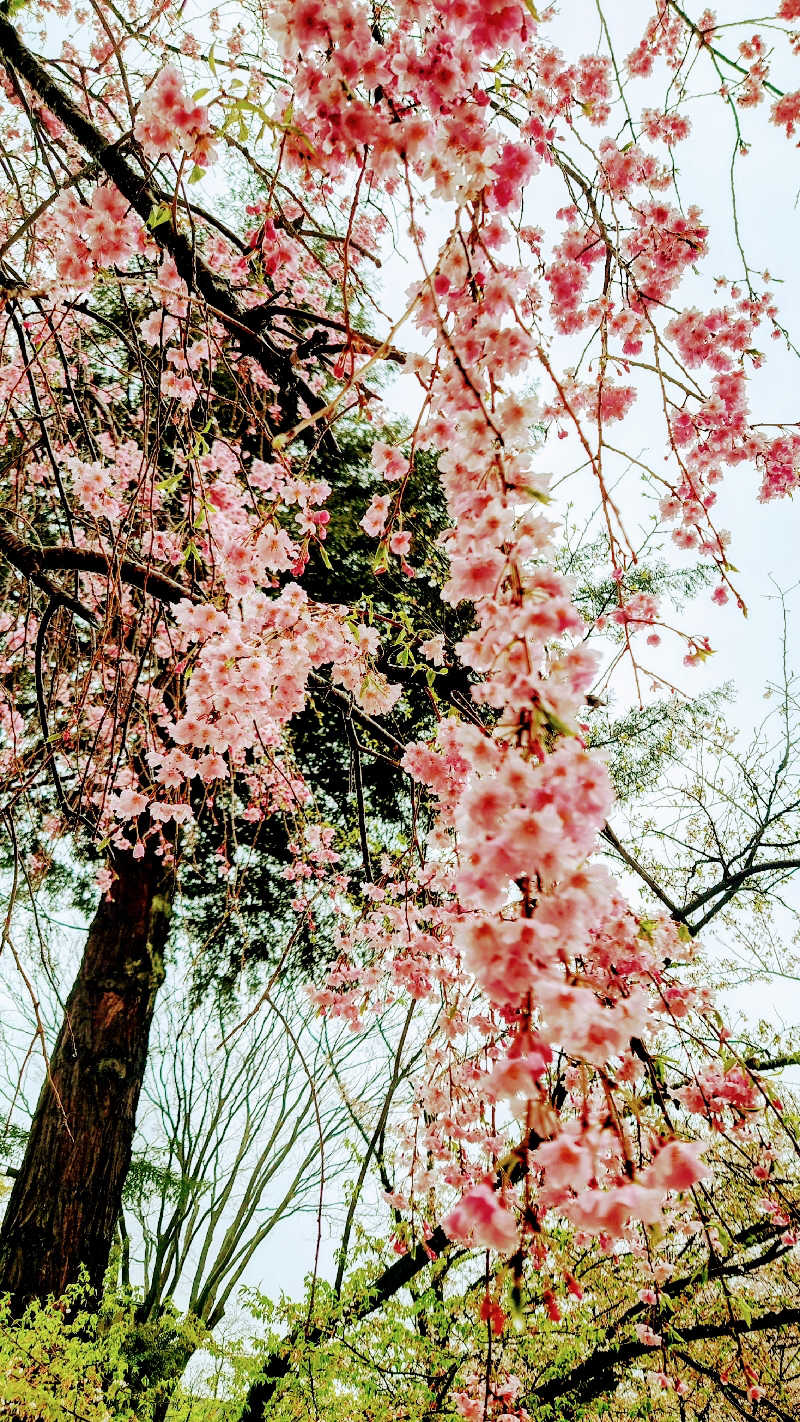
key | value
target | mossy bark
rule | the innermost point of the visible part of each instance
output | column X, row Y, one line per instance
column 64, row 1205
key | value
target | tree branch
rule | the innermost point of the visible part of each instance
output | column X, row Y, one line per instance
column 138, row 575
column 608, row 834
column 32, row 562
column 598, row 1371
column 143, row 196
column 383, row 1288
column 26, row 560
column 759, row 1064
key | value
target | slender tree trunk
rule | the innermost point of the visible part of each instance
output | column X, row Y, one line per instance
column 169, row 1386
column 66, row 1198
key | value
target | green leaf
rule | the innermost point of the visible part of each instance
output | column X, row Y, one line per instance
column 160, row 212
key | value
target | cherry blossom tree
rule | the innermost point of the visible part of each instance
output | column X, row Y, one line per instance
column 194, row 214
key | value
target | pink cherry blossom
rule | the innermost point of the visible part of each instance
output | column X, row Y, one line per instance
column 481, row 1218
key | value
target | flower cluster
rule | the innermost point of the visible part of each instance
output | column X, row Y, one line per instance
column 168, row 122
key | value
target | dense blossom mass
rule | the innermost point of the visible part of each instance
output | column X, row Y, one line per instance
column 172, row 370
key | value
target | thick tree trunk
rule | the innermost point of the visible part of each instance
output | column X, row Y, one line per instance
column 66, row 1198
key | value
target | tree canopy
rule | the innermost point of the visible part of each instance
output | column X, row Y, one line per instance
column 338, row 695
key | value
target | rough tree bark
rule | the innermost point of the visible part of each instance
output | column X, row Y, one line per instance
column 66, row 1198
